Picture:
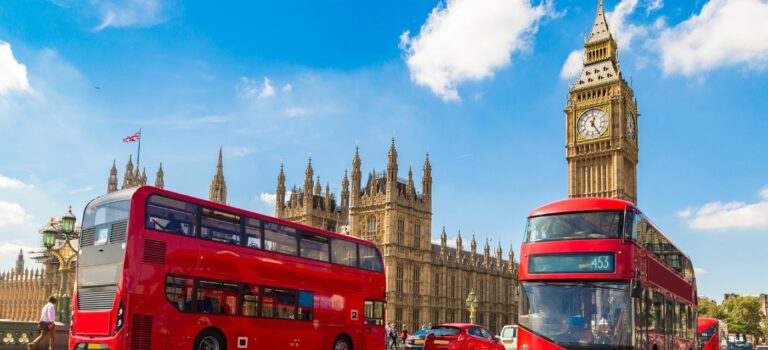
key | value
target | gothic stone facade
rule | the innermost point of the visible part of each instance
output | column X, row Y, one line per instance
column 601, row 123
column 426, row 282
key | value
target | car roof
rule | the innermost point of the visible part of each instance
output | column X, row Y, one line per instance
column 457, row 325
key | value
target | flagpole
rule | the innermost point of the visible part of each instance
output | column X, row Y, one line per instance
column 138, row 153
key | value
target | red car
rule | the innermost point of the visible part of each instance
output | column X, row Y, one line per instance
column 461, row 336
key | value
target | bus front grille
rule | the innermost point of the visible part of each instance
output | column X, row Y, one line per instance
column 118, row 231
column 87, row 236
column 141, row 334
column 100, row 298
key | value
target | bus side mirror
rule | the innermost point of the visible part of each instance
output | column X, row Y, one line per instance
column 517, row 291
column 637, row 289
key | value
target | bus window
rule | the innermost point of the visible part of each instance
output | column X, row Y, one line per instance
column 306, row 304
column 314, row 246
column 374, row 312
column 171, row 215
column 220, row 227
column 370, row 258
column 586, row 225
column 250, row 301
column 278, row 303
column 252, row 233
column 217, row 298
column 344, row 252
column 279, row 238
column 178, row 290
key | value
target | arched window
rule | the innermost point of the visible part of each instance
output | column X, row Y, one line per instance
column 373, row 226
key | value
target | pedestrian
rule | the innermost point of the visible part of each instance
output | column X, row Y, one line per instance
column 391, row 336
column 47, row 325
column 403, row 336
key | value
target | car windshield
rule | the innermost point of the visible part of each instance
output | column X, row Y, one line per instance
column 442, row 331
column 578, row 314
column 586, row 225
column 508, row 332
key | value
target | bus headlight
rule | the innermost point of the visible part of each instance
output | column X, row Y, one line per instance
column 120, row 317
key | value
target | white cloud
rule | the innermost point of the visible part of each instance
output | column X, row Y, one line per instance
column 287, row 88
column 685, row 213
column 466, row 40
column 129, row 13
column 269, row 198
column 573, row 65
column 12, row 249
column 699, row 271
column 12, row 214
column 725, row 33
column 249, row 89
column 7, row 182
column 293, row 112
column 730, row 216
column 13, row 75
column 653, row 5
column 623, row 31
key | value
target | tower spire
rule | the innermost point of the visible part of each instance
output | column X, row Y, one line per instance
column 218, row 190
column 128, row 177
column 600, row 31
column 112, row 182
column 160, row 177
column 280, row 193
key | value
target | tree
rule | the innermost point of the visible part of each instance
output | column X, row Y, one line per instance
column 742, row 313
column 709, row 308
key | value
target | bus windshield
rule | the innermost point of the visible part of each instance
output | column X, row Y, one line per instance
column 103, row 234
column 585, row 225
column 578, row 314
column 707, row 334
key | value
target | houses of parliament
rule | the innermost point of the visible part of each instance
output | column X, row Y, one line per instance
column 428, row 282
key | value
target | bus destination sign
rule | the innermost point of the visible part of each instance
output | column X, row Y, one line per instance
column 572, row 263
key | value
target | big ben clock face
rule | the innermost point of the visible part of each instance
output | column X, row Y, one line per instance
column 592, row 123
column 631, row 127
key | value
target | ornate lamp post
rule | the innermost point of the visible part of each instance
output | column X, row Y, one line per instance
column 472, row 305
column 57, row 237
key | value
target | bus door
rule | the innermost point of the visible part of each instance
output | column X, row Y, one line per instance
column 669, row 322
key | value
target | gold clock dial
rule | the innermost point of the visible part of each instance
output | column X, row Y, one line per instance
column 592, row 123
column 631, row 127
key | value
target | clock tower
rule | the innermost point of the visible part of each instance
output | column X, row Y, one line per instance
column 601, row 123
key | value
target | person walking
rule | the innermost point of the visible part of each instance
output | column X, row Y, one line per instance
column 391, row 336
column 47, row 325
column 403, row 337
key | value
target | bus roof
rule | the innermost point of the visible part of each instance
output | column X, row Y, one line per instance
column 151, row 189
column 581, row 204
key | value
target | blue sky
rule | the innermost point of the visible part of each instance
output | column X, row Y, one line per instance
column 480, row 85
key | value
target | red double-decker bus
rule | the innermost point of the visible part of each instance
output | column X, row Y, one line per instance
column 161, row 270
column 713, row 334
column 595, row 273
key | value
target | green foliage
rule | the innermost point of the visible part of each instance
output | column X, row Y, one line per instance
column 709, row 308
column 742, row 314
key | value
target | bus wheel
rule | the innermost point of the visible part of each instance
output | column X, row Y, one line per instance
column 209, row 340
column 342, row 343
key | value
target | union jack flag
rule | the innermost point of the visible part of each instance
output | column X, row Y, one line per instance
column 133, row 138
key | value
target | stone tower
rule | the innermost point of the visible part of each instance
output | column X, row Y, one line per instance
column 112, row 182
column 601, row 123
column 307, row 205
column 159, row 177
column 20, row 262
column 128, row 179
column 218, row 190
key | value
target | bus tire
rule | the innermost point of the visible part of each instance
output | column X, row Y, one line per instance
column 210, row 339
column 342, row 342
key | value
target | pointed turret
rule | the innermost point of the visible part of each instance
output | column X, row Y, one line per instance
column 600, row 30
column 473, row 245
column 159, row 177
column 498, row 256
column 112, row 182
column 392, row 171
column 426, row 179
column 318, row 187
column 486, row 255
column 511, row 261
column 280, row 193
column 356, row 178
column 218, row 190
column 411, row 190
column 308, row 183
column 144, row 176
column 128, row 177
column 344, row 213
column 20, row 262
column 459, row 248
column 443, row 244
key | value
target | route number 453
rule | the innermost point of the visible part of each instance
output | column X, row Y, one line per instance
column 601, row 263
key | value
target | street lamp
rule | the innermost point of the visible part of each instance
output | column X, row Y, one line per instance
column 472, row 305
column 63, row 252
